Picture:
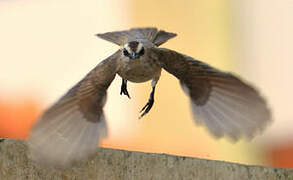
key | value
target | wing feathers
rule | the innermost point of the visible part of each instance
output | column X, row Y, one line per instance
column 162, row 37
column 224, row 103
column 71, row 129
column 213, row 124
column 150, row 34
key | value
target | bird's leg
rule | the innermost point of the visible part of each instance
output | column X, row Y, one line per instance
column 150, row 102
column 124, row 88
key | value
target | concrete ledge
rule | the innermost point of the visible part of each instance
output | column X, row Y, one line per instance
column 117, row 164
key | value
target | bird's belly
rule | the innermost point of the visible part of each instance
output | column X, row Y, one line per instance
column 139, row 71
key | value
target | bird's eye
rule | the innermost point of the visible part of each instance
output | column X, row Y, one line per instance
column 125, row 52
column 141, row 52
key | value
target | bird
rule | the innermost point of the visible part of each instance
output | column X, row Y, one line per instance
column 70, row 130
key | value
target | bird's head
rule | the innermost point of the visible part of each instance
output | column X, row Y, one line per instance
column 133, row 49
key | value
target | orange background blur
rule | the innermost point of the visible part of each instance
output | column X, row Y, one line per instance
column 47, row 46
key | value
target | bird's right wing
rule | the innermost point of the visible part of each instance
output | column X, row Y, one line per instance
column 223, row 102
column 70, row 130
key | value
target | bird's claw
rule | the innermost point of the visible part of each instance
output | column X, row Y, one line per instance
column 146, row 108
column 124, row 89
column 125, row 92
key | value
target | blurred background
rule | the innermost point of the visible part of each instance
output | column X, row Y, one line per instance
column 46, row 46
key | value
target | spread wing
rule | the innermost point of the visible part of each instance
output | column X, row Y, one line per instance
column 223, row 102
column 149, row 33
column 70, row 130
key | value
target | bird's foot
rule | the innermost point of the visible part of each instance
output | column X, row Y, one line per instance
column 124, row 88
column 147, row 107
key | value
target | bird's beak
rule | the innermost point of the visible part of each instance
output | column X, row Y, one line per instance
column 134, row 55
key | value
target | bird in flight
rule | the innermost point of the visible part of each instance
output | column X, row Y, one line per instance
column 71, row 128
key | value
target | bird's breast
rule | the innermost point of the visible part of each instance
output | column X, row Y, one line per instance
column 139, row 70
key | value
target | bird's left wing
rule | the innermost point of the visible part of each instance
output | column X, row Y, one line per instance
column 223, row 102
column 70, row 130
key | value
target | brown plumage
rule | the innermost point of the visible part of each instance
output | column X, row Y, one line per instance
column 151, row 35
column 220, row 100
column 70, row 130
